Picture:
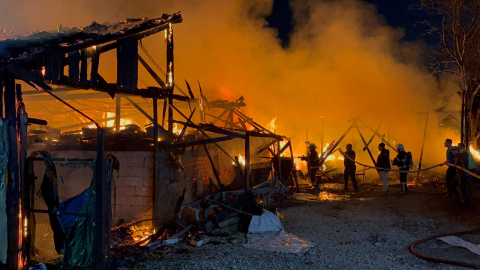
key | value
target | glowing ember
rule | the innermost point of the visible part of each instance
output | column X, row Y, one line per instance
column 475, row 153
column 271, row 125
column 43, row 72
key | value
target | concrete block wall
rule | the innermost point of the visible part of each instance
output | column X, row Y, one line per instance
column 134, row 183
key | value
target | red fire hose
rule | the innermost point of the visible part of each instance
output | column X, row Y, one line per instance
column 438, row 260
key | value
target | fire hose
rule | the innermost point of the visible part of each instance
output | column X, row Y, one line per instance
column 412, row 247
column 438, row 260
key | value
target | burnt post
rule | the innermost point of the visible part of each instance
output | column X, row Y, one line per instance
column 247, row 160
column 13, row 181
column 170, row 78
column 101, row 232
column 118, row 104
column 127, row 64
column 25, row 194
column 156, row 178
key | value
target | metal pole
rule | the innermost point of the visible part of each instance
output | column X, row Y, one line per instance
column 100, row 222
column 323, row 134
column 247, row 160
column 118, row 104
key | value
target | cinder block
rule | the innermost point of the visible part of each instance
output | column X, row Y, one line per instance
column 135, row 161
column 148, row 182
column 142, row 210
column 147, row 201
column 134, row 181
column 141, row 172
column 125, row 191
column 127, row 210
column 122, row 181
column 141, row 191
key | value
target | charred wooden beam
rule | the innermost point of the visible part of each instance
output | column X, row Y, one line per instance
column 127, row 64
column 167, row 145
column 211, row 128
column 84, row 67
column 215, row 172
column 73, row 67
column 13, row 180
column 151, row 72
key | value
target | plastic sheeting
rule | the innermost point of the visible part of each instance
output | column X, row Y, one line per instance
column 459, row 242
column 266, row 233
column 74, row 204
column 3, row 191
column 80, row 239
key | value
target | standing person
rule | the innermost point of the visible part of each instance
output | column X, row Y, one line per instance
column 383, row 162
column 403, row 161
column 451, row 171
column 461, row 160
column 472, row 165
column 350, row 168
column 313, row 166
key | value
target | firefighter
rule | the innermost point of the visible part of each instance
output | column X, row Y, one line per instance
column 451, row 171
column 472, row 165
column 383, row 162
column 461, row 160
column 350, row 168
column 403, row 161
column 313, row 167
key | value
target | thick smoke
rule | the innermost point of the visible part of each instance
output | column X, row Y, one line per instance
column 343, row 61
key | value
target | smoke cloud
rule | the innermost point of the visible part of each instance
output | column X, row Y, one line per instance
column 343, row 61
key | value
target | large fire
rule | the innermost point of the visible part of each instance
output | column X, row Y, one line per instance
column 475, row 153
column 241, row 160
column 271, row 125
column 176, row 130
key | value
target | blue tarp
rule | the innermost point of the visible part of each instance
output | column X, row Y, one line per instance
column 74, row 204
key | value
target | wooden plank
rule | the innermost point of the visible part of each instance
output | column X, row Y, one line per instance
column 94, row 69
column 215, row 172
column 1, row 93
column 199, row 142
column 247, row 162
column 365, row 143
column 118, row 105
column 294, row 170
column 13, row 184
column 84, row 67
column 151, row 72
column 127, row 64
column 100, row 229
column 73, row 67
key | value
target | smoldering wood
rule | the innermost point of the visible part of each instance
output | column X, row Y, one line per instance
column 194, row 143
column 247, row 162
column 118, row 111
column 94, row 69
column 380, row 136
column 294, row 171
column 215, row 172
column 373, row 136
column 96, row 121
column 143, row 30
column 184, row 130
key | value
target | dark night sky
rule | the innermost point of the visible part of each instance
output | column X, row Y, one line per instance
column 398, row 13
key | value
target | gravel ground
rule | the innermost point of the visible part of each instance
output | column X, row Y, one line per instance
column 350, row 231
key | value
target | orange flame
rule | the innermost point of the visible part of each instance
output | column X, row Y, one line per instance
column 271, row 125
column 474, row 152
column 43, row 72
column 241, row 160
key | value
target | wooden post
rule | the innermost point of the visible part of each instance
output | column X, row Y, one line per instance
column 294, row 168
column 100, row 222
column 247, row 160
column 1, row 94
column 118, row 105
column 423, row 142
column 170, row 72
column 279, row 162
column 156, row 178
column 215, row 172
column 323, row 134
column 25, row 193
column 13, row 184
column 365, row 143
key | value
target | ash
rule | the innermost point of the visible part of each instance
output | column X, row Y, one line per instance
column 350, row 230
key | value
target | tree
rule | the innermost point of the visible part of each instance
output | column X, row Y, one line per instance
column 458, row 53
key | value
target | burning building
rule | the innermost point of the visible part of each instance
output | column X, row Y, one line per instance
column 75, row 117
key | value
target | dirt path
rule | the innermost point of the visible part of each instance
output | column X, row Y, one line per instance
column 350, row 231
